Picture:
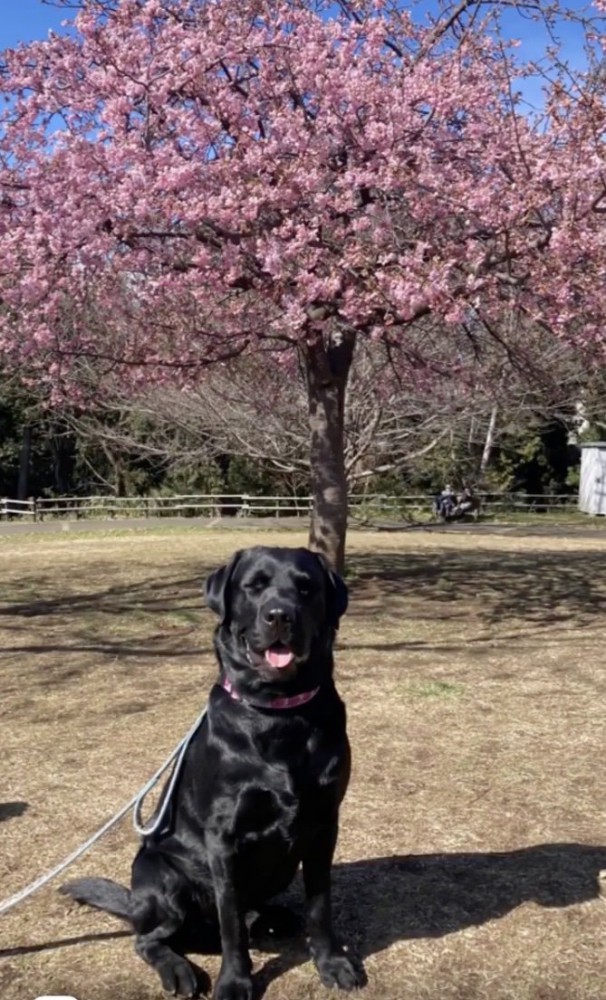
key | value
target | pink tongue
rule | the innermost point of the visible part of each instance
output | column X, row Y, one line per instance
column 279, row 658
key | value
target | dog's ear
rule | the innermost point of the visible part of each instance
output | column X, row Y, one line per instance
column 217, row 589
column 336, row 593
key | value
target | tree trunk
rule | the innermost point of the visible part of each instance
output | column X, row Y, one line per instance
column 327, row 367
column 489, row 441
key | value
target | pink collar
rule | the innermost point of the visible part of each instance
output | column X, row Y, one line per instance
column 292, row 702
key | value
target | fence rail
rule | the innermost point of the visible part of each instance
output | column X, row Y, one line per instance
column 242, row 505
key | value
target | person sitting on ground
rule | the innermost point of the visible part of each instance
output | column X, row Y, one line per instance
column 467, row 503
column 446, row 501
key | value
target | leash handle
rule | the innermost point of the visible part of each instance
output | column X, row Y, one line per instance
column 157, row 819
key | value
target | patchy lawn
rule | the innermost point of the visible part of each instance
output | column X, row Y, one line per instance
column 474, row 831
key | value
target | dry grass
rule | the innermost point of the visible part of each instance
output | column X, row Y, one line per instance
column 473, row 833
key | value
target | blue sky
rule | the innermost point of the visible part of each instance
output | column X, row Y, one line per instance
column 23, row 20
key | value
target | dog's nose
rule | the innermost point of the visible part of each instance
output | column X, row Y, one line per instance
column 277, row 617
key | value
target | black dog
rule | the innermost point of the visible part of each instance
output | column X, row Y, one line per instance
column 261, row 784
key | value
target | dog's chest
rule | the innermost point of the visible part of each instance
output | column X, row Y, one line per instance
column 289, row 791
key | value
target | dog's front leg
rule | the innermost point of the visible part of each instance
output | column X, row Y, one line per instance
column 333, row 964
column 234, row 982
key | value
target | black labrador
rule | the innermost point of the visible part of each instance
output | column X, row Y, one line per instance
column 260, row 787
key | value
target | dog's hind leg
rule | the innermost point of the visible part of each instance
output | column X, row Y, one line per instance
column 159, row 909
column 178, row 975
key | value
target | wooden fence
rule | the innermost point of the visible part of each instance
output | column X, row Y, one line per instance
column 362, row 506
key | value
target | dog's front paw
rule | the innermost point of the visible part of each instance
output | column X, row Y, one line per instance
column 233, row 988
column 338, row 969
column 179, row 977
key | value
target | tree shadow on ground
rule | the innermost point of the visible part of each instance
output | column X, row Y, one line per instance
column 32, row 949
column 144, row 603
column 541, row 587
column 108, row 648
column 183, row 595
column 380, row 901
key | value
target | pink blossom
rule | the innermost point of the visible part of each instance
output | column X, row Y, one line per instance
column 199, row 179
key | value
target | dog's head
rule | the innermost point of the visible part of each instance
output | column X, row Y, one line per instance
column 278, row 610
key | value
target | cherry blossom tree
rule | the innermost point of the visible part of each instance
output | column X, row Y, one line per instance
column 242, row 412
column 185, row 181
column 388, row 428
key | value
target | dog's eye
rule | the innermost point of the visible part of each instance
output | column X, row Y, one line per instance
column 257, row 584
column 304, row 588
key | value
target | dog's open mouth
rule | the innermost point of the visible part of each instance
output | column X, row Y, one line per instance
column 278, row 655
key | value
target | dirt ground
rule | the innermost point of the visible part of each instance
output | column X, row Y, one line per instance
column 474, row 831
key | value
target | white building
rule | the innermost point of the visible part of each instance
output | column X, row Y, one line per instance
column 592, row 487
